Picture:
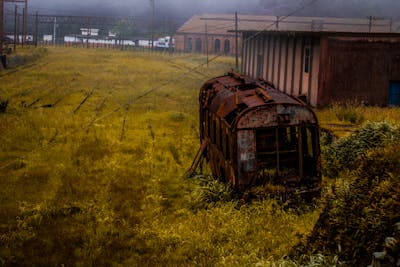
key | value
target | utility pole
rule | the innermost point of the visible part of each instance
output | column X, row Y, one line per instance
column 15, row 27
column 36, row 27
column 153, row 7
column 370, row 22
column 206, row 31
column 23, row 27
column 25, row 21
column 88, row 32
column 18, row 28
column 1, row 26
column 372, row 19
column 54, row 30
column 2, row 19
column 236, row 43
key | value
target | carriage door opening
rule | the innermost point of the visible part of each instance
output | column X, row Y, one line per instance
column 394, row 94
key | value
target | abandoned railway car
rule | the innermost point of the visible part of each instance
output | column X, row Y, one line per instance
column 252, row 134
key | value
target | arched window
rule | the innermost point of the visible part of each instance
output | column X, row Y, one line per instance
column 198, row 45
column 189, row 45
column 227, row 46
column 217, row 46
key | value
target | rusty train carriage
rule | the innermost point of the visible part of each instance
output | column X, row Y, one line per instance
column 253, row 134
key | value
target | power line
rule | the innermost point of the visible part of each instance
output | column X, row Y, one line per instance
column 151, row 90
column 129, row 103
column 280, row 19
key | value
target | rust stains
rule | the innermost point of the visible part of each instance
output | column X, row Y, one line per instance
column 253, row 134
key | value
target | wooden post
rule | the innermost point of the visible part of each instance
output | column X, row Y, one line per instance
column 23, row 26
column 1, row 26
column 25, row 20
column 206, row 31
column 15, row 27
column 236, row 43
column 54, row 31
column 153, row 7
column 36, row 27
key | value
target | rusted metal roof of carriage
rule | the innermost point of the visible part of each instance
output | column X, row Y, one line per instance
column 225, row 24
column 237, row 93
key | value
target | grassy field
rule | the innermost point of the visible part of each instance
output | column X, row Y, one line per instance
column 94, row 145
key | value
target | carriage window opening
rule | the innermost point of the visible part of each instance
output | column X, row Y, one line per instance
column 217, row 132
column 308, row 147
column 288, row 154
column 208, row 124
column 278, row 147
column 214, row 130
column 221, row 135
column 288, row 139
column 223, row 144
column 266, row 148
column 203, row 122
column 227, row 147
column 307, row 58
column 309, row 136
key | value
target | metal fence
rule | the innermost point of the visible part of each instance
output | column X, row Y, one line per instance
column 110, row 32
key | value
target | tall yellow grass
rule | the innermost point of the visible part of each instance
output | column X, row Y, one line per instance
column 91, row 168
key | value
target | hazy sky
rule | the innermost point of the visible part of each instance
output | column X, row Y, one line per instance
column 186, row 8
column 133, row 7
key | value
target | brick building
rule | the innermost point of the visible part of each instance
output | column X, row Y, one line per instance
column 208, row 31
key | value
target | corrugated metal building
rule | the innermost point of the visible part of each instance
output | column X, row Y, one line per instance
column 326, row 59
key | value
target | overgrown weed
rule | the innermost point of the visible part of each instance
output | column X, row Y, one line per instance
column 360, row 212
column 349, row 113
column 73, row 192
column 346, row 152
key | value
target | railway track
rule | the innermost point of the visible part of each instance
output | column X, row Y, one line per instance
column 99, row 111
column 22, row 68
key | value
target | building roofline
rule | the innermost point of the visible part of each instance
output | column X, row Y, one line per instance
column 326, row 33
column 261, row 23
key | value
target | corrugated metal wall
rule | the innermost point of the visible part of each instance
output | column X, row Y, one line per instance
column 359, row 69
column 281, row 58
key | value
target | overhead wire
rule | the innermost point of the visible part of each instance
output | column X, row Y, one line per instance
column 151, row 90
column 280, row 19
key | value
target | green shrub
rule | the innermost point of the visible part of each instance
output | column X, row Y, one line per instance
column 326, row 137
column 344, row 153
column 209, row 192
column 360, row 213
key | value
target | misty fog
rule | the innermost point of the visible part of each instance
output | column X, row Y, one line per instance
column 183, row 9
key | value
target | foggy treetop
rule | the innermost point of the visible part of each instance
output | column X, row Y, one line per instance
column 183, row 9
